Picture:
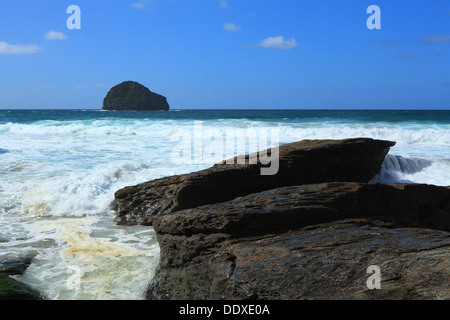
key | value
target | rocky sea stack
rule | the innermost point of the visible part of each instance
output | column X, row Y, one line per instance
column 132, row 96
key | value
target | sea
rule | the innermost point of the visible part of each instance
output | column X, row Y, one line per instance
column 59, row 170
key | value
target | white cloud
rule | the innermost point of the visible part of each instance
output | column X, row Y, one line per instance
column 223, row 4
column 278, row 43
column 55, row 35
column 6, row 48
column 231, row 27
column 390, row 43
column 141, row 5
column 442, row 38
column 406, row 55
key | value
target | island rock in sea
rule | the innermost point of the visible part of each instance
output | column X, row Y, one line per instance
column 132, row 96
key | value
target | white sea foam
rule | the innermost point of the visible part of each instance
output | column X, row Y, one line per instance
column 113, row 263
column 437, row 173
column 79, row 193
column 406, row 134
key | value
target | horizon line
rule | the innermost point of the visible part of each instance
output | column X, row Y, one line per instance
column 231, row 109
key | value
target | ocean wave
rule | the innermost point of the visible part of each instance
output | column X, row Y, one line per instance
column 79, row 194
column 398, row 169
column 405, row 165
column 403, row 134
column 67, row 129
column 14, row 166
column 87, row 193
column 70, row 176
column 397, row 134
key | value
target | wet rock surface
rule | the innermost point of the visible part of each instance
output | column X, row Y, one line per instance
column 304, row 162
column 10, row 288
column 307, row 242
column 312, row 231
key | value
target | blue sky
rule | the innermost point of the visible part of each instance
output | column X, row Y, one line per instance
column 227, row 53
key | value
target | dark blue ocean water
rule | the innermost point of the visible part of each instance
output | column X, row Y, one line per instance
column 358, row 116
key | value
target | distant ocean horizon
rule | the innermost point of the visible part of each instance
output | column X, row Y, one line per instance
column 236, row 109
column 59, row 170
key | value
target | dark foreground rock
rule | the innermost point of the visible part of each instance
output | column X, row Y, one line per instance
column 304, row 162
column 312, row 231
column 11, row 289
column 132, row 96
column 309, row 242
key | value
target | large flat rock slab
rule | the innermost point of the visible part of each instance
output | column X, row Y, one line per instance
column 331, row 261
column 304, row 162
column 308, row 242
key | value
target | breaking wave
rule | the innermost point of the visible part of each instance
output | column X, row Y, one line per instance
column 418, row 134
column 398, row 169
